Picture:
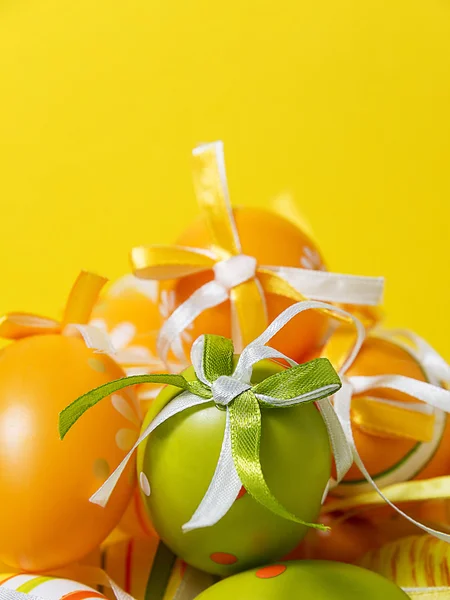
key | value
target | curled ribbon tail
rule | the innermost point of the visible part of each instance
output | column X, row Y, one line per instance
column 70, row 415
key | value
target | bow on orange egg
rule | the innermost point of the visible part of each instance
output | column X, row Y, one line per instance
column 81, row 300
column 237, row 277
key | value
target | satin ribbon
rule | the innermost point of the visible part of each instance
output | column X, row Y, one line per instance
column 238, row 278
column 232, row 391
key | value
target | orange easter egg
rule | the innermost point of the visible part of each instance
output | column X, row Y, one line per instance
column 387, row 457
column 135, row 522
column 349, row 538
column 273, row 241
column 46, row 519
column 130, row 312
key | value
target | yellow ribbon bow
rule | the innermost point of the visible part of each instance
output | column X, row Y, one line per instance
column 81, row 300
column 238, row 277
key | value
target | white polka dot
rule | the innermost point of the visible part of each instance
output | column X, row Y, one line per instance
column 122, row 407
column 145, row 484
column 125, row 439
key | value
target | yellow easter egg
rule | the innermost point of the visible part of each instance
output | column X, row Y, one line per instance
column 46, row 519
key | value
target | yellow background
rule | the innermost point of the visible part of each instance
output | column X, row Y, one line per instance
column 344, row 104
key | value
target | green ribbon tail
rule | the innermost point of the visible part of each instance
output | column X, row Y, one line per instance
column 245, row 421
column 70, row 415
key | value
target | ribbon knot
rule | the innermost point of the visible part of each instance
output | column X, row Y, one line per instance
column 235, row 270
column 238, row 280
column 225, row 389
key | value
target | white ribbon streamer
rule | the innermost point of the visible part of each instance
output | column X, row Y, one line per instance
column 94, row 337
column 209, row 295
column 333, row 287
column 180, row 403
column 342, row 403
column 222, row 491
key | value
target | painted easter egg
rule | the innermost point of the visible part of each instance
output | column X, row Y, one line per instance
column 417, row 561
column 273, row 241
column 178, row 460
column 50, row 588
column 132, row 312
column 401, row 459
column 146, row 568
column 46, row 519
column 308, row 580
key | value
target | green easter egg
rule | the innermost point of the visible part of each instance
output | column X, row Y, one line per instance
column 177, row 463
column 308, row 580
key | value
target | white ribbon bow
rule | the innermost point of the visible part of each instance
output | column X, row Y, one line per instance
column 315, row 285
column 225, row 484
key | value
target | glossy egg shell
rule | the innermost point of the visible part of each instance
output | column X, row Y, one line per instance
column 179, row 460
column 273, row 241
column 46, row 519
column 305, row 580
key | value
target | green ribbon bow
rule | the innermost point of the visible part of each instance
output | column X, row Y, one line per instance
column 230, row 389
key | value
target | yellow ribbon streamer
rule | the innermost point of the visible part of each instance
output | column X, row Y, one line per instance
column 407, row 491
column 212, row 192
column 386, row 420
column 81, row 300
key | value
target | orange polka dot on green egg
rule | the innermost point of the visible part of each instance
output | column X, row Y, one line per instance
column 179, row 459
column 305, row 580
column 223, row 558
column 271, row 571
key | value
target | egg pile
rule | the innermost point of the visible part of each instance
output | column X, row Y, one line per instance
column 56, row 543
